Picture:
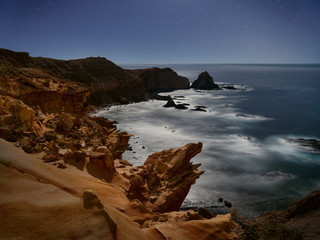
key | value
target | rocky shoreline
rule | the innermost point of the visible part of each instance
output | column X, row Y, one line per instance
column 62, row 171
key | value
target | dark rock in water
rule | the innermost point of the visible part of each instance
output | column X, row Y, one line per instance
column 181, row 106
column 229, row 87
column 220, row 199
column 205, row 82
column 170, row 103
column 199, row 109
column 205, row 213
column 227, row 204
column 307, row 145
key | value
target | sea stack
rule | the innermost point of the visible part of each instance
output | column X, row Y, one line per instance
column 205, row 82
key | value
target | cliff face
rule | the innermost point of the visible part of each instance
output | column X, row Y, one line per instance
column 157, row 79
column 55, row 85
column 67, row 176
column 49, row 92
column 108, row 82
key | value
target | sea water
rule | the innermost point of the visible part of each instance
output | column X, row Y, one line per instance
column 246, row 156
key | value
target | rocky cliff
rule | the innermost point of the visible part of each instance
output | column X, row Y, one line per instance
column 62, row 175
column 161, row 79
column 67, row 176
column 108, row 82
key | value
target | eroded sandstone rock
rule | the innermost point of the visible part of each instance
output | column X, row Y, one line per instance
column 164, row 180
column 14, row 113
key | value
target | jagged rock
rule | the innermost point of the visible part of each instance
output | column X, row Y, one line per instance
column 27, row 144
column 117, row 143
column 169, row 176
column 66, row 123
column 204, row 82
column 14, row 113
column 170, row 103
column 164, row 180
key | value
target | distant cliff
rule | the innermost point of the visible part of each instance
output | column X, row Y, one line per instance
column 161, row 79
column 90, row 81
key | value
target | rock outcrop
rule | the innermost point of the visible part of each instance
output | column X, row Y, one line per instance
column 164, row 180
column 204, row 82
column 14, row 113
column 300, row 221
column 38, row 87
column 161, row 79
column 108, row 82
column 60, row 85
column 64, row 202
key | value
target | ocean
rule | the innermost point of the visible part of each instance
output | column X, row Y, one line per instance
column 251, row 155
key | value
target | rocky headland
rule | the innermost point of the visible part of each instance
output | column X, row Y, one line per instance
column 160, row 80
column 62, row 171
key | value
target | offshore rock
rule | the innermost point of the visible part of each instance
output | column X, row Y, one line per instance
column 204, row 82
column 170, row 103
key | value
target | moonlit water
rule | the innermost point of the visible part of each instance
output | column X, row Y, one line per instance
column 245, row 153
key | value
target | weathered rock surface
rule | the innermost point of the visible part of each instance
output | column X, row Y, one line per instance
column 164, row 180
column 161, row 79
column 204, row 82
column 14, row 113
column 63, row 205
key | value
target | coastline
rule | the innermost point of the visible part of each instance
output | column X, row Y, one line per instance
column 81, row 174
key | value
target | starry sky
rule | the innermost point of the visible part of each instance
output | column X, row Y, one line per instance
column 165, row 31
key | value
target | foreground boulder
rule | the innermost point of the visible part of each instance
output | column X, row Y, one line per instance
column 204, row 82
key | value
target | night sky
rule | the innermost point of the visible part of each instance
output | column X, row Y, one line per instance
column 165, row 31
